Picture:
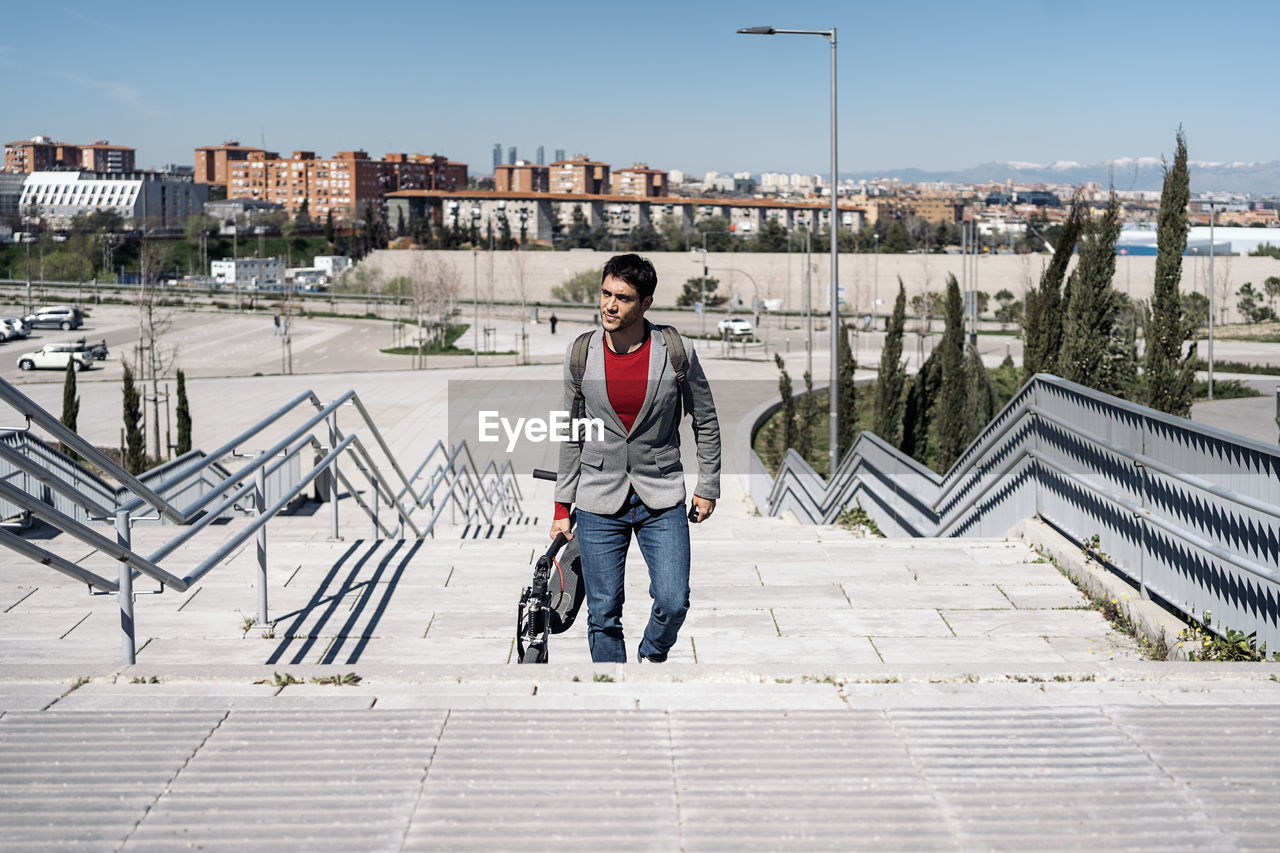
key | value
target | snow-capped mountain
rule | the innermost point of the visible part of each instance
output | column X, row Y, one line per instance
column 1127, row 173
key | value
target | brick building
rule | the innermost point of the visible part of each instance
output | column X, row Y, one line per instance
column 42, row 154
column 344, row 184
column 579, row 175
column 521, row 177
column 640, row 180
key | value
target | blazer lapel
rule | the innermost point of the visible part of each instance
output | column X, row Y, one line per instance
column 657, row 363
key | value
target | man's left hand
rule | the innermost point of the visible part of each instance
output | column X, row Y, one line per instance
column 705, row 507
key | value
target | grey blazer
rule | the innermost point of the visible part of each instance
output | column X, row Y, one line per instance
column 598, row 474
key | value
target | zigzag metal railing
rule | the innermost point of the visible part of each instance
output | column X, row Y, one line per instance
column 456, row 483
column 1190, row 514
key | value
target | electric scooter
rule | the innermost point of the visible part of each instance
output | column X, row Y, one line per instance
column 551, row 601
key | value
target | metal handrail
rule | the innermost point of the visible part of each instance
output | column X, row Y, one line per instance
column 87, row 535
column 32, row 469
column 266, row 514
column 457, row 482
column 1198, row 543
column 212, row 457
column 37, row 415
column 59, row 564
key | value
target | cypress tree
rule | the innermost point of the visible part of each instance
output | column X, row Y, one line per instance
column 984, row 402
column 919, row 409
column 893, row 375
column 184, row 416
column 1086, row 355
column 804, row 429
column 951, row 424
column 846, row 365
column 1168, row 373
column 788, row 405
column 70, row 404
column 135, row 451
column 1042, row 339
column 1123, row 349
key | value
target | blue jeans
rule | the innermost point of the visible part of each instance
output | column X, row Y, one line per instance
column 664, row 541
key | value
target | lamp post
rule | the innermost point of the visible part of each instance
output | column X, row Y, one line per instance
column 1211, row 218
column 475, row 291
column 830, row 36
column 875, row 283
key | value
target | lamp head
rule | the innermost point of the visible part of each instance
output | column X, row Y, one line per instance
column 756, row 31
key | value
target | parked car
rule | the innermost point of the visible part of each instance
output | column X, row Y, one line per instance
column 57, row 356
column 735, row 326
column 62, row 317
column 13, row 327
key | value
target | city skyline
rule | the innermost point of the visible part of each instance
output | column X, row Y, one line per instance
column 679, row 89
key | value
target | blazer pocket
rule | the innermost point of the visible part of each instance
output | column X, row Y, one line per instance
column 668, row 459
column 592, row 458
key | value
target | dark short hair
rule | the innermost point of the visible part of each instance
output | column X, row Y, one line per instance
column 635, row 271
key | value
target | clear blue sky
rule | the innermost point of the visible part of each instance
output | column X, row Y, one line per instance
column 934, row 85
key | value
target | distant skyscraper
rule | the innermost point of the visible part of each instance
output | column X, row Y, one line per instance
column 511, row 154
column 542, row 155
column 559, row 154
column 497, row 155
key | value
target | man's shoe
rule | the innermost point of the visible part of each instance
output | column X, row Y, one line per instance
column 650, row 659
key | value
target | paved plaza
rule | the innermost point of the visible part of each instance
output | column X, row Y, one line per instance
column 828, row 691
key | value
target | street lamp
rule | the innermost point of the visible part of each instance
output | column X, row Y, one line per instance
column 830, row 36
column 1211, row 218
column 875, row 282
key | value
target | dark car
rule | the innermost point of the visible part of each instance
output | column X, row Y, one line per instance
column 62, row 317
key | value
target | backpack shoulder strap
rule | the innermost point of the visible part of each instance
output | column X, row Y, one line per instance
column 679, row 363
column 578, row 367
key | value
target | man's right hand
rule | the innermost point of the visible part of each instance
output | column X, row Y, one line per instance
column 561, row 525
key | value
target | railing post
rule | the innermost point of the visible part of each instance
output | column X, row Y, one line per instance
column 1142, row 517
column 128, row 645
column 374, row 480
column 260, row 498
column 1036, row 426
column 333, row 477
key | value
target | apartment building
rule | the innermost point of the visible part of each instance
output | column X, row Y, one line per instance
column 344, row 185
column 579, row 175
column 521, row 177
column 640, row 180
column 42, row 154
column 212, row 161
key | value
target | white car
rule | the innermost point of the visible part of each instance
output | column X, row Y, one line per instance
column 14, row 327
column 736, row 327
column 57, row 356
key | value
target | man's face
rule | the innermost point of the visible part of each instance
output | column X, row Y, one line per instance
column 620, row 305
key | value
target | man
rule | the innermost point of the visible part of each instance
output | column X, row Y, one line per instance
column 631, row 478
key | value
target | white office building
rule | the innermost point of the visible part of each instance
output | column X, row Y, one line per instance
column 332, row 265
column 248, row 272
column 155, row 199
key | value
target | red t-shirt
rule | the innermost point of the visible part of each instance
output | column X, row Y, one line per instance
column 626, row 377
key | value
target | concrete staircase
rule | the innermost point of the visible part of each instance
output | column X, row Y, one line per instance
column 765, row 591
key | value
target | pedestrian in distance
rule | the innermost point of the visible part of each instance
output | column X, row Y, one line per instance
column 553, row 320
column 637, row 379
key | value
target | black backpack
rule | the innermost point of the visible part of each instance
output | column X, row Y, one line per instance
column 675, row 354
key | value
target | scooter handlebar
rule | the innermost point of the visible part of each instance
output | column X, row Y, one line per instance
column 544, row 474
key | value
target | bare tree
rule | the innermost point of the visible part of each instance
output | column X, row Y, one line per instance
column 1223, row 285
column 154, row 358
column 432, row 284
